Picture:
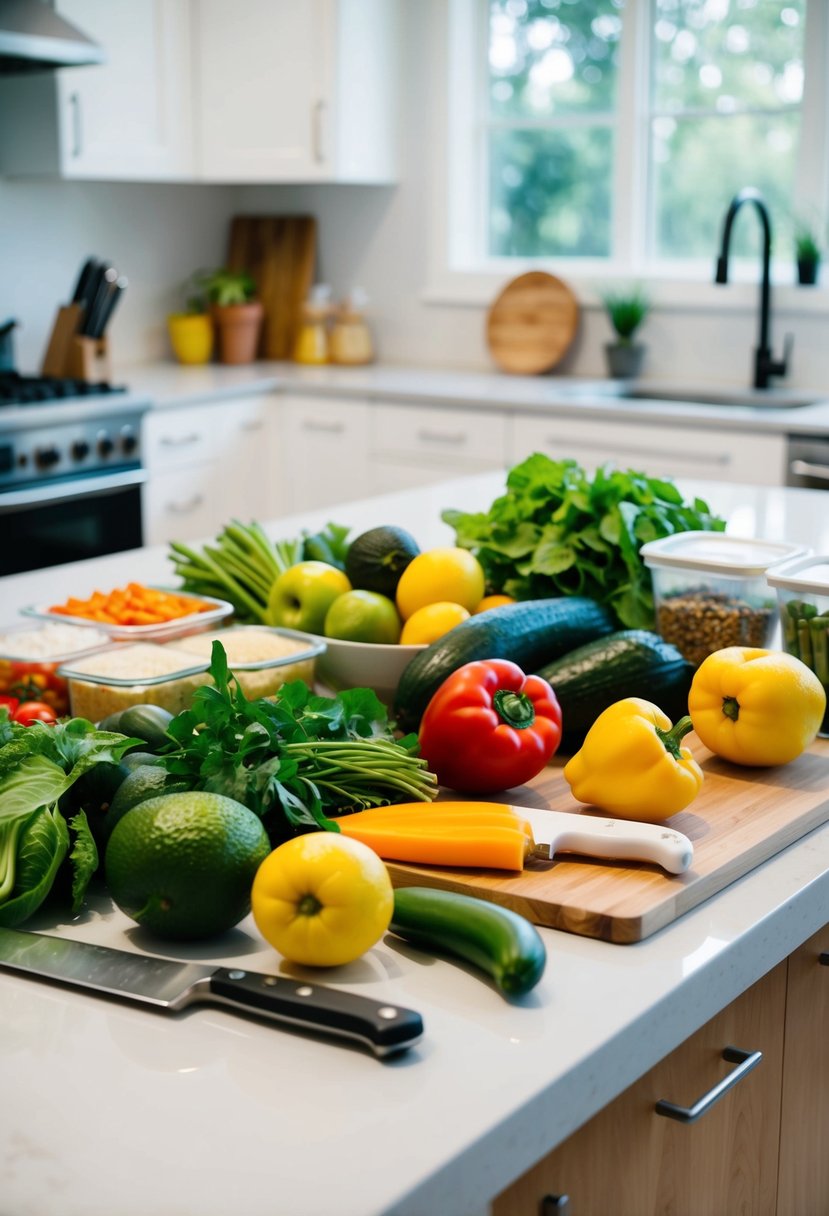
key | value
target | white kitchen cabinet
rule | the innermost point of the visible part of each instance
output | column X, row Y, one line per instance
column 323, row 451
column 417, row 445
column 295, row 92
column 208, row 464
column 128, row 119
column 662, row 450
column 202, row 90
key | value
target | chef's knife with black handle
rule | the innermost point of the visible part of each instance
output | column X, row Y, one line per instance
column 103, row 282
column 170, row 986
column 112, row 293
column 84, row 282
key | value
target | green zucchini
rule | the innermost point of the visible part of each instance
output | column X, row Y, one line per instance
column 495, row 939
column 627, row 663
column 531, row 633
column 147, row 722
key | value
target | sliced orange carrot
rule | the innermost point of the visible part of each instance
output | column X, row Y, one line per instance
column 491, row 847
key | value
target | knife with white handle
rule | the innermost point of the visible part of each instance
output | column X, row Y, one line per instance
column 170, row 986
column 558, row 832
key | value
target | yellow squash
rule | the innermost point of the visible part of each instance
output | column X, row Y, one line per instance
column 632, row 765
column 756, row 707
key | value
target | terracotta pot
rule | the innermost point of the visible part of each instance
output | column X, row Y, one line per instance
column 239, row 326
column 191, row 337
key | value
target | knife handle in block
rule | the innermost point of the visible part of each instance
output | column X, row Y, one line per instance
column 385, row 1028
column 88, row 359
column 64, row 331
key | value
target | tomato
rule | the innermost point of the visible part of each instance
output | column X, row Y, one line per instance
column 322, row 899
column 34, row 711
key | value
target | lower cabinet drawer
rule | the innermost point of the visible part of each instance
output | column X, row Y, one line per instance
column 443, row 435
column 182, row 504
column 177, row 437
column 631, row 1161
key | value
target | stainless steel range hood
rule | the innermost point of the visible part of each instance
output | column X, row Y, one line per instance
column 34, row 38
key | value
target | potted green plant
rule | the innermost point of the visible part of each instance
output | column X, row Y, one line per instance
column 236, row 312
column 626, row 310
column 191, row 331
column 808, row 255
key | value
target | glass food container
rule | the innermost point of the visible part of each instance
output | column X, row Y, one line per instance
column 163, row 631
column 710, row 590
column 802, row 588
column 143, row 673
column 31, row 654
column 261, row 659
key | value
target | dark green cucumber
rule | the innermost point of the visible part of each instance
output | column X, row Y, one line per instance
column 146, row 722
column 495, row 939
column 531, row 633
column 627, row 663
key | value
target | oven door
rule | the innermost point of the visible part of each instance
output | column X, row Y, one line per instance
column 70, row 521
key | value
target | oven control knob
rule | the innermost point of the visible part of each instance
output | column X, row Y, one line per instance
column 129, row 441
column 45, row 458
column 105, row 446
column 80, row 450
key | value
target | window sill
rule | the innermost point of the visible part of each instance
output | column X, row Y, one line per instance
column 669, row 292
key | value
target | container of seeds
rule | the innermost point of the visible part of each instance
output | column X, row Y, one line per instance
column 710, row 590
column 133, row 673
column 802, row 587
column 261, row 658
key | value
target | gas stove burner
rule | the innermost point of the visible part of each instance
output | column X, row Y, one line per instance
column 26, row 390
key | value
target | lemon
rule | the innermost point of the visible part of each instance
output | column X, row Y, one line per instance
column 440, row 575
column 363, row 616
column 182, row 864
column 432, row 622
column 322, row 899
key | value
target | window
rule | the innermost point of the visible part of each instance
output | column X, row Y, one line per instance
column 613, row 133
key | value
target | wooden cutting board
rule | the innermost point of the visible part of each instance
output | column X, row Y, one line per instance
column 532, row 323
column 741, row 818
column 279, row 251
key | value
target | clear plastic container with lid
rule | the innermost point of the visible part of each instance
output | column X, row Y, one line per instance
column 143, row 673
column 802, row 588
column 31, row 654
column 261, row 658
column 710, row 590
column 207, row 612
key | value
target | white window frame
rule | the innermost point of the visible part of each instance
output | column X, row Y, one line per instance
column 456, row 274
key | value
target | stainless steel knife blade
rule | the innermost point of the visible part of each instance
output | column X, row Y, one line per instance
column 170, row 986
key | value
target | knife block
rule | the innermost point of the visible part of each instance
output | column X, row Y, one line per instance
column 70, row 353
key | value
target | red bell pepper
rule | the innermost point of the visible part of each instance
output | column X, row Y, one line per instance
column 489, row 727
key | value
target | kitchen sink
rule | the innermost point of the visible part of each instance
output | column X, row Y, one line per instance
column 773, row 398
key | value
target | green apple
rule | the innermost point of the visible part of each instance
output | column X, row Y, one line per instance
column 301, row 597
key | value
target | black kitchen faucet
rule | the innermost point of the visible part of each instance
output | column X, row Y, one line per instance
column 765, row 365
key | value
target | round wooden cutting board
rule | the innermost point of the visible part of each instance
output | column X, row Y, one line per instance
column 532, row 324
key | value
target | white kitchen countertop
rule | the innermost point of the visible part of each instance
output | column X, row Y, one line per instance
column 109, row 1106
column 168, row 385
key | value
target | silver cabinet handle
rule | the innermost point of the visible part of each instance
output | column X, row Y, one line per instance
column 327, row 428
column 184, row 508
column 453, row 437
column 179, row 441
column 317, row 115
column 77, row 131
column 555, row 1205
column 703, row 458
column 745, row 1061
column 804, row 468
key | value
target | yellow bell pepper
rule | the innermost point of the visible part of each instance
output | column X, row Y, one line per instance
column 631, row 763
column 756, row 707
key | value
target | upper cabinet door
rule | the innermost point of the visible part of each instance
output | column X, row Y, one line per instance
column 130, row 118
column 288, row 91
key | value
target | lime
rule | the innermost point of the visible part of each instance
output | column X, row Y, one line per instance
column 363, row 616
column 144, row 781
column 182, row 864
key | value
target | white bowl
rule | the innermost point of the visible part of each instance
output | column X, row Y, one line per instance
column 364, row 665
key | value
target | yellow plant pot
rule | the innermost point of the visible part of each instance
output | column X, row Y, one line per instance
column 191, row 336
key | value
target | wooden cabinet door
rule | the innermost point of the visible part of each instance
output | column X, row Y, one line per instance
column 131, row 117
column 629, row 1161
column 803, row 1188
